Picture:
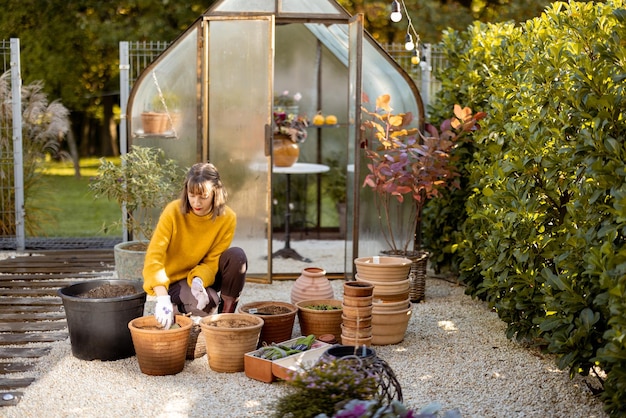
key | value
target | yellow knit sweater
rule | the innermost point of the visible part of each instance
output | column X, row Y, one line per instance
column 186, row 246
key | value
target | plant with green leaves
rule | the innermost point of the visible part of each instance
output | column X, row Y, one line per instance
column 144, row 182
column 543, row 242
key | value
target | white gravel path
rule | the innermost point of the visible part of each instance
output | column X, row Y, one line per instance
column 455, row 352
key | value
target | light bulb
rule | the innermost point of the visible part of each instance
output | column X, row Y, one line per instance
column 408, row 45
column 415, row 58
column 396, row 14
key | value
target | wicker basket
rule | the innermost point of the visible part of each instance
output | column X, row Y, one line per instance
column 417, row 277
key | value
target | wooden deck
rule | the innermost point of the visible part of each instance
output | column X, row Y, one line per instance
column 31, row 312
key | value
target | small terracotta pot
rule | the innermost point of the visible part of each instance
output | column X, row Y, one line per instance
column 359, row 333
column 356, row 322
column 357, row 289
column 320, row 322
column 160, row 352
column 357, row 301
column 276, row 327
column 357, row 312
column 229, row 336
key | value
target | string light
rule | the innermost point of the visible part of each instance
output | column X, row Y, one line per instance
column 396, row 13
column 415, row 58
column 408, row 42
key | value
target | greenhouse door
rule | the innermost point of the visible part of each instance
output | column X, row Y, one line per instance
column 237, row 101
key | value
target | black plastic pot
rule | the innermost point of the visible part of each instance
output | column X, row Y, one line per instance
column 98, row 328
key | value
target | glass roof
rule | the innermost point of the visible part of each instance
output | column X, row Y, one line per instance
column 316, row 7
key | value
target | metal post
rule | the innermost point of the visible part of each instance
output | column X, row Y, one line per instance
column 124, row 93
column 18, row 159
column 426, row 67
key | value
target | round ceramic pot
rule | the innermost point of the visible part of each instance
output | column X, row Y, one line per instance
column 356, row 333
column 357, row 311
column 357, row 289
column 356, row 322
column 278, row 319
column 390, row 327
column 381, row 305
column 285, row 151
column 98, row 326
column 320, row 321
column 229, row 336
column 160, row 351
column 311, row 284
column 382, row 268
column 129, row 259
column 389, row 291
column 357, row 301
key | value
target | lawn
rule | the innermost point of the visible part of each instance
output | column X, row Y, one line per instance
column 68, row 209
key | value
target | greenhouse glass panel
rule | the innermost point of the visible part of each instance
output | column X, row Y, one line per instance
column 239, row 103
column 167, row 94
column 309, row 6
column 245, row 6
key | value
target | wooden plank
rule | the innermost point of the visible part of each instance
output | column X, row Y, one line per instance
column 31, row 337
column 31, row 316
column 30, row 292
column 7, row 384
column 32, row 326
column 30, row 301
column 14, row 352
column 28, row 308
column 50, row 276
column 16, row 367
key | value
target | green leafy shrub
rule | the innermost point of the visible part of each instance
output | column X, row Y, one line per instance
column 543, row 235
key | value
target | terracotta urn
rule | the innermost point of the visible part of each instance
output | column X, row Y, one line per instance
column 285, row 151
column 312, row 284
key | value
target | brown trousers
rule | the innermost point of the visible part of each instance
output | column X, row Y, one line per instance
column 230, row 279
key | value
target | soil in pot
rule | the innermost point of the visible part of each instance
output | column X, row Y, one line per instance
column 106, row 291
column 278, row 317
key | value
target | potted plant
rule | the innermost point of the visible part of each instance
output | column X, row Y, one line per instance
column 289, row 129
column 407, row 167
column 162, row 114
column 143, row 183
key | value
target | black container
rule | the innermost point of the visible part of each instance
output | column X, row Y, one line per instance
column 98, row 328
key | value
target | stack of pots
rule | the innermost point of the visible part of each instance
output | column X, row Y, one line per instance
column 391, row 306
column 356, row 320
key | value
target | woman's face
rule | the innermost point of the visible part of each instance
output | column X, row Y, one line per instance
column 200, row 202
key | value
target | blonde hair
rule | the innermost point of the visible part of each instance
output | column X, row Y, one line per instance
column 204, row 179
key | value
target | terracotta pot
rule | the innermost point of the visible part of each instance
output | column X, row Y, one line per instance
column 317, row 321
column 390, row 327
column 160, row 352
column 277, row 327
column 356, row 341
column 383, row 269
column 154, row 122
column 389, row 291
column 381, row 305
column 311, row 284
column 229, row 336
column 357, row 311
column 285, row 151
column 356, row 322
column 357, row 301
column 356, row 333
column 357, row 289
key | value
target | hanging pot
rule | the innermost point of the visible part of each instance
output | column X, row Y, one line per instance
column 98, row 326
column 278, row 319
column 160, row 351
column 311, row 284
column 229, row 336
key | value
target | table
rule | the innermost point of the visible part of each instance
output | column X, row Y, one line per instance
column 297, row 168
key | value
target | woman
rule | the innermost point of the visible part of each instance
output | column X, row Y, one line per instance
column 189, row 259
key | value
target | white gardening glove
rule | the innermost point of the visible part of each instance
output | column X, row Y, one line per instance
column 164, row 312
column 199, row 292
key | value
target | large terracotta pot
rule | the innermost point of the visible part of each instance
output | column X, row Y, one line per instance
column 159, row 351
column 311, row 284
column 382, row 269
column 229, row 336
column 277, row 327
column 285, row 151
column 389, row 291
column 388, row 326
column 98, row 326
column 317, row 321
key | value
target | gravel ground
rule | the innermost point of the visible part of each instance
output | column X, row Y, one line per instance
column 455, row 353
